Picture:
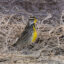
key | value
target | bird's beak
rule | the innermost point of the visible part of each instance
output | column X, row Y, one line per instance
column 35, row 20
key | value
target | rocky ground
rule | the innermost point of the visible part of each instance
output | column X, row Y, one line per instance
column 49, row 47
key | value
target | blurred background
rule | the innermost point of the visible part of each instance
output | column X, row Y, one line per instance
column 49, row 47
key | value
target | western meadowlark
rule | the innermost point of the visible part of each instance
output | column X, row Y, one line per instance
column 28, row 36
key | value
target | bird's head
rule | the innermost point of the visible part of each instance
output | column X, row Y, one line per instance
column 32, row 21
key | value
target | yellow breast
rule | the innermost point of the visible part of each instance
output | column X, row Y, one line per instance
column 34, row 34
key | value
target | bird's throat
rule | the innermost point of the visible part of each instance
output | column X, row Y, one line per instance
column 34, row 34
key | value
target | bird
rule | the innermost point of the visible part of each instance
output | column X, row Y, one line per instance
column 28, row 36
